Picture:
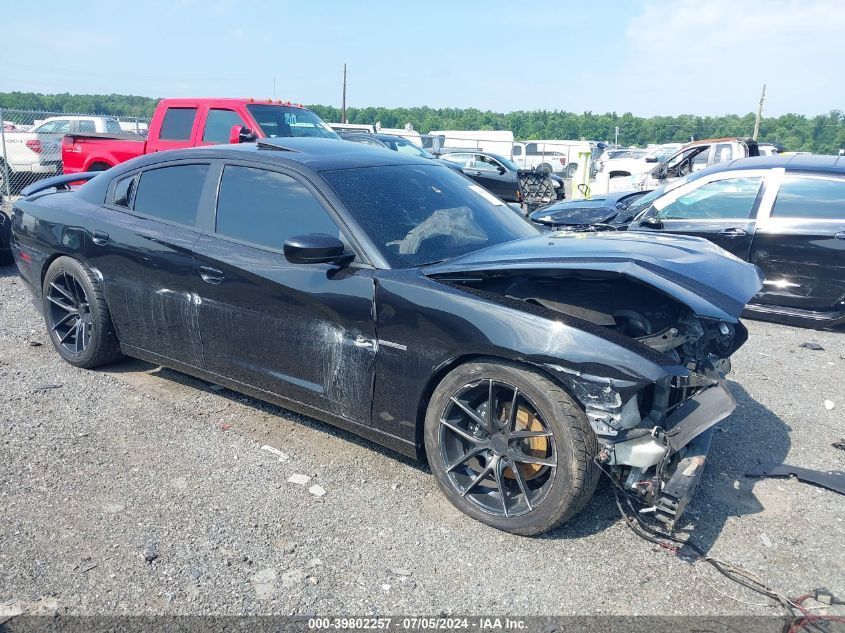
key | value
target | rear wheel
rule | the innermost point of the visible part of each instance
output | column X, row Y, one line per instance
column 77, row 316
column 510, row 448
column 571, row 168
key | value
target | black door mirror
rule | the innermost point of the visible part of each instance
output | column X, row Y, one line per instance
column 652, row 222
column 316, row 248
column 501, row 170
column 651, row 159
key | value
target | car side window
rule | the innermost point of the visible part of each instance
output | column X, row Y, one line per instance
column 171, row 193
column 731, row 198
column 485, row 163
column 724, row 152
column 517, row 150
column 464, row 160
column 810, row 198
column 123, row 192
column 219, row 123
column 177, row 124
column 266, row 208
column 113, row 127
column 87, row 127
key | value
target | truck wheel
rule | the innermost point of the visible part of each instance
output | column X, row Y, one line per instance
column 571, row 168
column 544, row 168
column 77, row 316
column 509, row 447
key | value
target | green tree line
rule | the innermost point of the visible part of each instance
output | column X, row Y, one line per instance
column 821, row 134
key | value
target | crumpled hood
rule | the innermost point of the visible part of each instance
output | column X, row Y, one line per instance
column 696, row 272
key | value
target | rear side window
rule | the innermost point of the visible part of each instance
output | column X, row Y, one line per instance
column 177, row 124
column 87, row 127
column 123, row 192
column 266, row 208
column 171, row 193
column 218, row 125
column 810, row 198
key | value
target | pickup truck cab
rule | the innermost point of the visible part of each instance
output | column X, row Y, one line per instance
column 181, row 123
column 694, row 157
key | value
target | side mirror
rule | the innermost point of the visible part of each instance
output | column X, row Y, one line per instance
column 651, row 159
column 241, row 134
column 652, row 222
column 501, row 170
column 316, row 248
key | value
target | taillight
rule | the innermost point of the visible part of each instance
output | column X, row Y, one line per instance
column 70, row 145
column 562, row 161
column 34, row 144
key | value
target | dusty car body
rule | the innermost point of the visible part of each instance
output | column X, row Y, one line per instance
column 441, row 325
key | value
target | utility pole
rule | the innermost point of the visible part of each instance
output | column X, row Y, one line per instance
column 759, row 114
column 343, row 103
column 616, row 137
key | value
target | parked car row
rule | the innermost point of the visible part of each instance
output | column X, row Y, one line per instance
column 786, row 215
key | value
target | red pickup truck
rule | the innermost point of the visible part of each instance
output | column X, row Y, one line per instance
column 179, row 123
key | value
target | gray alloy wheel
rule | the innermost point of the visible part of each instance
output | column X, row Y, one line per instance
column 76, row 315
column 509, row 447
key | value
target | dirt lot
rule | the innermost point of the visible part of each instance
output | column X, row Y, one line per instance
column 140, row 490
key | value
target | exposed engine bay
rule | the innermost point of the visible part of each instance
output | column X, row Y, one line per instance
column 653, row 441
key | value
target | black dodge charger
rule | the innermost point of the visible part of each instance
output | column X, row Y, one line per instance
column 387, row 295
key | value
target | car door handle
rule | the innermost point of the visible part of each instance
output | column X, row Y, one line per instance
column 733, row 232
column 100, row 238
column 840, row 235
column 211, row 275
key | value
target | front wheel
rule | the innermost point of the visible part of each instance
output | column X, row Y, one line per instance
column 510, row 448
column 77, row 316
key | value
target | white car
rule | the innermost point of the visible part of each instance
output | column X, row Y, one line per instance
column 36, row 153
column 626, row 166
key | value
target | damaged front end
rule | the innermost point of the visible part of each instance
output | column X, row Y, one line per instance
column 653, row 429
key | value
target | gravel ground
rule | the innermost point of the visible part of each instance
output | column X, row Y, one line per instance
column 138, row 490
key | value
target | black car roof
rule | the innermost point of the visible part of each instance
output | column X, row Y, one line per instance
column 318, row 154
column 798, row 162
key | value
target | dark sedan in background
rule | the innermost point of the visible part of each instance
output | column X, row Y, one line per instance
column 784, row 214
column 388, row 295
column 495, row 173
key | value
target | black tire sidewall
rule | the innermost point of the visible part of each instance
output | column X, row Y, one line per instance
column 98, row 322
column 562, row 499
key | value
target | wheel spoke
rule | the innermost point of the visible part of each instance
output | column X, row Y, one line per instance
column 64, row 320
column 498, row 467
column 475, row 481
column 63, row 306
column 72, row 287
column 78, row 339
column 472, row 413
column 64, row 292
column 459, row 431
column 523, row 485
column 524, row 435
column 490, row 407
column 475, row 450
column 68, row 333
column 522, row 458
column 512, row 416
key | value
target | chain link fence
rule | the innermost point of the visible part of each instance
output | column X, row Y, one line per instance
column 31, row 142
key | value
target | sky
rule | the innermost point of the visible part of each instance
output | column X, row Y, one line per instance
column 648, row 57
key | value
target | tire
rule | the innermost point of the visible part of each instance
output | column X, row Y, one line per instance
column 77, row 317
column 571, row 168
column 544, row 168
column 539, row 494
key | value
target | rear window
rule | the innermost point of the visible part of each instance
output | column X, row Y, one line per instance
column 811, row 198
column 177, row 124
column 171, row 193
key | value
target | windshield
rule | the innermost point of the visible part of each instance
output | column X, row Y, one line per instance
column 278, row 120
column 419, row 214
